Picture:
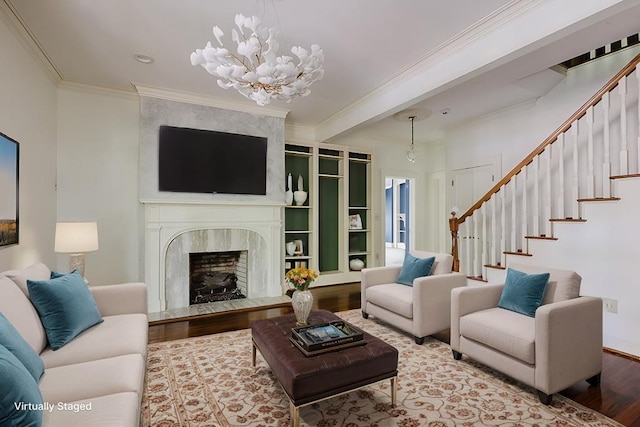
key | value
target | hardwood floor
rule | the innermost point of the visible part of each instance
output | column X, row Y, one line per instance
column 617, row 397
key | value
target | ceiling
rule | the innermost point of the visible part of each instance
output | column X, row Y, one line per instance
column 369, row 46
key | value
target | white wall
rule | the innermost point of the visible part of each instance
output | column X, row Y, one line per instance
column 28, row 115
column 603, row 251
column 513, row 133
column 391, row 160
column 98, row 178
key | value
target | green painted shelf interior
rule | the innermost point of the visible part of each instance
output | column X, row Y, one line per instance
column 329, row 194
column 358, row 184
column 297, row 166
column 296, row 219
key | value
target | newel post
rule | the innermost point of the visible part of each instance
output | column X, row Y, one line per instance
column 453, row 226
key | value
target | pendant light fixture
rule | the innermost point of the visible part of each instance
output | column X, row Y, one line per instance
column 412, row 115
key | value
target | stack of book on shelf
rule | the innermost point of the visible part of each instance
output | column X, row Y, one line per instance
column 326, row 337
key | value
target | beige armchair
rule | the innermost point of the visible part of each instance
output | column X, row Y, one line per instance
column 422, row 309
column 558, row 347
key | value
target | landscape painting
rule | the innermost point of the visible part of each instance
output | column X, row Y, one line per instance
column 9, row 160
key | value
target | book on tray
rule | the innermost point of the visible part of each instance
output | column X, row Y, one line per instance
column 330, row 336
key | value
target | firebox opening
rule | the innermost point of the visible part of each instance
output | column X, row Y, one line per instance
column 217, row 276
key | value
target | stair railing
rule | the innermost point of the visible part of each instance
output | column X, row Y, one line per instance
column 504, row 218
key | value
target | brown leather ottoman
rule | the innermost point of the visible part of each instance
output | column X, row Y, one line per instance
column 306, row 380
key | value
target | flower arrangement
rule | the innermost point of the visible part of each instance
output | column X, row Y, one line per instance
column 300, row 278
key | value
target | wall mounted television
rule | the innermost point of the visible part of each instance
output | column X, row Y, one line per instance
column 204, row 161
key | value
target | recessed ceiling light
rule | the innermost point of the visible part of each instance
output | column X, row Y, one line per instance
column 145, row 59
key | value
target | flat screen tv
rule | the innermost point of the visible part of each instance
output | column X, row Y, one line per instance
column 204, row 161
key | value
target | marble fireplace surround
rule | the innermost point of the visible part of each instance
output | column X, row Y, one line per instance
column 172, row 231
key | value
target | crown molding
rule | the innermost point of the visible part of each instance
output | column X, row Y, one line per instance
column 98, row 90
column 208, row 101
column 10, row 16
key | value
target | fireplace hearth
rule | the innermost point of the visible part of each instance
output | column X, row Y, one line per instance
column 217, row 276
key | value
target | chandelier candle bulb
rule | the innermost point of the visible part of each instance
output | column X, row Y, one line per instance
column 255, row 70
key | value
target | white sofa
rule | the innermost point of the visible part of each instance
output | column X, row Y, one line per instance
column 102, row 368
column 558, row 347
column 422, row 309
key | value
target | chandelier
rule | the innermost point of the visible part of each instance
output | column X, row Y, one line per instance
column 254, row 69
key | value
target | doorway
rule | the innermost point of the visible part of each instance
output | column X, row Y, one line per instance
column 398, row 225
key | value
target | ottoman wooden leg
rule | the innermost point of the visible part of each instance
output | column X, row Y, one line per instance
column 394, row 388
column 294, row 414
column 253, row 354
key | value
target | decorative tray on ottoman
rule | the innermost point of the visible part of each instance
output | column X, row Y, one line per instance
column 325, row 337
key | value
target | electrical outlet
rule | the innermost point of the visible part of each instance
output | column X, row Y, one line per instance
column 610, row 305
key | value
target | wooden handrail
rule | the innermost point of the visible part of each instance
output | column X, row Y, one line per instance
column 454, row 222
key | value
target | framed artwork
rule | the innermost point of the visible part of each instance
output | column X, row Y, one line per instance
column 355, row 222
column 299, row 247
column 9, row 161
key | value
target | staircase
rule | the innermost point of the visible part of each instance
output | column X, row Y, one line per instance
column 578, row 164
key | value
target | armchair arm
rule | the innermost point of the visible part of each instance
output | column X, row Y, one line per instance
column 432, row 302
column 568, row 342
column 126, row 298
column 468, row 300
column 376, row 276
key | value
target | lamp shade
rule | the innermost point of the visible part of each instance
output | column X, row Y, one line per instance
column 76, row 237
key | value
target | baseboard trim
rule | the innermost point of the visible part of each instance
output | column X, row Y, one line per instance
column 621, row 354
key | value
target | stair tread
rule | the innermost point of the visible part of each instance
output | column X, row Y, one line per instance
column 517, row 253
column 600, row 199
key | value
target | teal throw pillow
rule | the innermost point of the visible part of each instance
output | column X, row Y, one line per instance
column 65, row 306
column 11, row 339
column 523, row 292
column 20, row 399
column 414, row 267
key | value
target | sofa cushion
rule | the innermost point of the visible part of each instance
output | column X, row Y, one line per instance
column 65, row 305
column 23, row 316
column 121, row 409
column 11, row 339
column 413, row 268
column 18, row 386
column 504, row 330
column 108, row 376
column 123, row 334
column 393, row 297
column 37, row 271
column 523, row 292
column 563, row 284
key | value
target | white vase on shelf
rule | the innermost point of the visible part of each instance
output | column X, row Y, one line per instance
column 291, row 248
column 288, row 195
column 300, row 197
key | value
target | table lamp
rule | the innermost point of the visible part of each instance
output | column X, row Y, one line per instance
column 76, row 238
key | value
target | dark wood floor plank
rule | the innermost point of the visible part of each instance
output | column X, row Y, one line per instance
column 618, row 395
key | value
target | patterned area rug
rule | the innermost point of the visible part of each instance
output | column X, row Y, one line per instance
column 209, row 381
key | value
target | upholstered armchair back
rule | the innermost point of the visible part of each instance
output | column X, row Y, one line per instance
column 563, row 284
column 442, row 264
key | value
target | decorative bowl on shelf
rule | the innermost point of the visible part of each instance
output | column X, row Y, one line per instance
column 356, row 264
column 300, row 197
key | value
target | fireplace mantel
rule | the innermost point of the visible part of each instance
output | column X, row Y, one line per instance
column 165, row 222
